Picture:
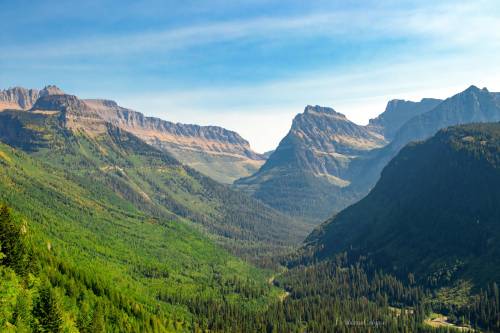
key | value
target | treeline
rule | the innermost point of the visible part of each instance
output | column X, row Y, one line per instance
column 481, row 312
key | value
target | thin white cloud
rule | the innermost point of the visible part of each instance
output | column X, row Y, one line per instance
column 447, row 24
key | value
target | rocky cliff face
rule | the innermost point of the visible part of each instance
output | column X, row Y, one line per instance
column 19, row 98
column 156, row 131
column 215, row 151
column 323, row 142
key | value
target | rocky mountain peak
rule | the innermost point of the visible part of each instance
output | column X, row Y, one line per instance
column 51, row 90
column 58, row 103
column 319, row 118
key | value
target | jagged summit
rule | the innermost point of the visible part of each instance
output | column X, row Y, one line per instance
column 475, row 89
column 51, row 90
column 310, row 164
column 59, row 102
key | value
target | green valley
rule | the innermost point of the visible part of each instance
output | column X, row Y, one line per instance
column 103, row 232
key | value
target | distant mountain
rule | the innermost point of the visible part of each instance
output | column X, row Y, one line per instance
column 327, row 162
column 64, row 131
column 215, row 151
column 399, row 112
column 308, row 170
column 434, row 212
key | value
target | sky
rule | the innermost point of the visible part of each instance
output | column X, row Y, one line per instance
column 251, row 66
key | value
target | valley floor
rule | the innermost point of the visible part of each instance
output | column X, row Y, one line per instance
column 441, row 321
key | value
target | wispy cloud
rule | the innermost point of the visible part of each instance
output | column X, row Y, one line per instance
column 448, row 24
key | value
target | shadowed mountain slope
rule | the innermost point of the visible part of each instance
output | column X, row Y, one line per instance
column 397, row 113
column 434, row 212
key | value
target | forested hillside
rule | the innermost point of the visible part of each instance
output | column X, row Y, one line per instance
column 126, row 234
column 149, row 179
column 434, row 211
column 93, row 238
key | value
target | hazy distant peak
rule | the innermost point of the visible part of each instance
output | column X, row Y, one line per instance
column 309, row 109
column 397, row 113
column 473, row 88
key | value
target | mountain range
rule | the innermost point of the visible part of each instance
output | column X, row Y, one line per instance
column 217, row 152
column 326, row 162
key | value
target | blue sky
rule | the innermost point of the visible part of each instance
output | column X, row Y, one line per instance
column 251, row 66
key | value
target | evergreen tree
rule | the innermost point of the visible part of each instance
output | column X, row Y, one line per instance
column 22, row 312
column 98, row 324
column 13, row 243
column 48, row 312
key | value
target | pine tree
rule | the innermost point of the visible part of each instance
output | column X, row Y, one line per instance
column 98, row 325
column 12, row 240
column 48, row 312
column 22, row 311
